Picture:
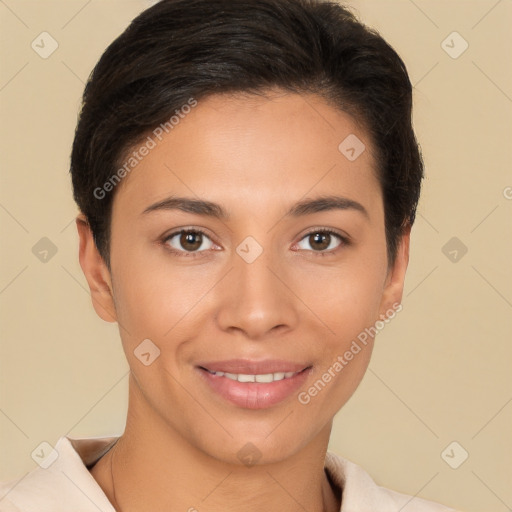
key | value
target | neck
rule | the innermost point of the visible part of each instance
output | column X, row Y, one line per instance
column 152, row 467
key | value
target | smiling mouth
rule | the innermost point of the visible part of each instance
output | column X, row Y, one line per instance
column 255, row 385
column 263, row 378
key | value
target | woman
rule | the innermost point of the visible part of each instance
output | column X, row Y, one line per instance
column 247, row 177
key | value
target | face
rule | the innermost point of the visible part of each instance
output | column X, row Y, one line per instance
column 251, row 252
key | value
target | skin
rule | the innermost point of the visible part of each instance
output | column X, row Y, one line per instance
column 255, row 156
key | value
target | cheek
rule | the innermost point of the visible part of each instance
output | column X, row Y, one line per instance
column 346, row 297
column 153, row 298
column 347, row 303
column 348, row 308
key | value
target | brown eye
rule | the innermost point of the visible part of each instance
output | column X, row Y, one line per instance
column 320, row 241
column 189, row 241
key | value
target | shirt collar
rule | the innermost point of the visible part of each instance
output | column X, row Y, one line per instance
column 68, row 483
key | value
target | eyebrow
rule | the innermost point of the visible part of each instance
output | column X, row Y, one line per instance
column 210, row 209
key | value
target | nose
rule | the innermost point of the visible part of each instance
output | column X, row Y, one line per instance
column 256, row 299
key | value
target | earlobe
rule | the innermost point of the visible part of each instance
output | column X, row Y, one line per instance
column 96, row 272
column 394, row 287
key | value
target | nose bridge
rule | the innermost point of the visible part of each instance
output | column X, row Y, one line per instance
column 256, row 281
column 255, row 300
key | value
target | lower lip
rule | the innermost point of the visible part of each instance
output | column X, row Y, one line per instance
column 255, row 395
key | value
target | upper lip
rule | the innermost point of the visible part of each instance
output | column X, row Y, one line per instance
column 248, row 367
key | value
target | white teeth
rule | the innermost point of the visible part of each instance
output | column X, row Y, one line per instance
column 267, row 377
column 246, row 378
column 263, row 378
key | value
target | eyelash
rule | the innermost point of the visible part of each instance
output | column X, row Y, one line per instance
column 345, row 241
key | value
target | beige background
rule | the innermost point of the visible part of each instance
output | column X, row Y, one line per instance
column 441, row 371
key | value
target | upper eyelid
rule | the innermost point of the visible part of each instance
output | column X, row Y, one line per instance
column 185, row 230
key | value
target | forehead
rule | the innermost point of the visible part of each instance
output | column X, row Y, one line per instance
column 253, row 150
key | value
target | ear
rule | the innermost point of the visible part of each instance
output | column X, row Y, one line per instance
column 394, row 285
column 96, row 272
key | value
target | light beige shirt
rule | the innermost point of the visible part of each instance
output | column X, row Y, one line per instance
column 66, row 485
